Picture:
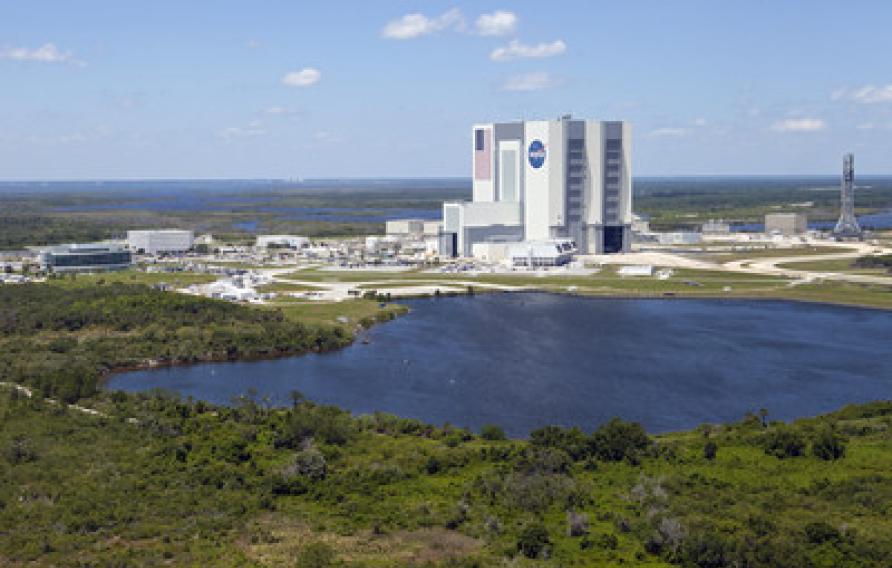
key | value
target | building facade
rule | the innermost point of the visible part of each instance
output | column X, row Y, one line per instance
column 786, row 223
column 543, row 180
column 160, row 241
column 92, row 257
column 281, row 241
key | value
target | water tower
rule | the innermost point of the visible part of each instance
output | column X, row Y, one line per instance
column 847, row 226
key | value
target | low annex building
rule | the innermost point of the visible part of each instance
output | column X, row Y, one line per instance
column 90, row 257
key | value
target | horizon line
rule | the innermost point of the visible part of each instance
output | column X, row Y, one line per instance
column 300, row 180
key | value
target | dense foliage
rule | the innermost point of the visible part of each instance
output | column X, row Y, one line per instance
column 63, row 339
column 146, row 480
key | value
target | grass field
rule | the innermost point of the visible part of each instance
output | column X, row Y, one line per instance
column 175, row 279
column 844, row 265
column 776, row 253
column 357, row 312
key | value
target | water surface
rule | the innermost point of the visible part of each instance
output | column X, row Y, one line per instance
column 526, row 360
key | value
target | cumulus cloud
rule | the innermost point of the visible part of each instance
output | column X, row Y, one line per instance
column 303, row 78
column 799, row 125
column 871, row 94
column 498, row 23
column 416, row 25
column 868, row 94
column 529, row 82
column 46, row 53
column 668, row 132
column 516, row 50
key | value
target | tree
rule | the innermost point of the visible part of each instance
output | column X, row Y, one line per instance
column 618, row 440
column 828, row 445
column 533, row 540
column 784, row 442
column 492, row 433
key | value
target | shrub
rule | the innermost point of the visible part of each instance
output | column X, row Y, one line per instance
column 710, row 450
column 577, row 524
column 492, row 433
column 533, row 540
column 828, row 445
column 327, row 424
column 316, row 555
column 784, row 442
column 571, row 440
column 308, row 463
column 19, row 451
column 821, row 532
column 618, row 440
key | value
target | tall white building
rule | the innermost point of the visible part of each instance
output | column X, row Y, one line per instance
column 155, row 241
column 543, row 180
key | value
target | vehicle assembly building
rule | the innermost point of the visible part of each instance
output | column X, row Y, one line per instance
column 546, row 180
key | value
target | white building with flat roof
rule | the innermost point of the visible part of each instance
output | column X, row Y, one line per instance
column 542, row 180
column 281, row 241
column 157, row 241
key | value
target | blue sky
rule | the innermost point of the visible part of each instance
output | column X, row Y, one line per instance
column 286, row 88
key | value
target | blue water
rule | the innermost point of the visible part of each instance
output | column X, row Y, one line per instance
column 526, row 360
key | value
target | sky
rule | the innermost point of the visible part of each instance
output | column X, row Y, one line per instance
column 114, row 89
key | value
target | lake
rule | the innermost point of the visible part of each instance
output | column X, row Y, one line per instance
column 525, row 360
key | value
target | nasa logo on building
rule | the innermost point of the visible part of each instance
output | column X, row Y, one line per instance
column 536, row 153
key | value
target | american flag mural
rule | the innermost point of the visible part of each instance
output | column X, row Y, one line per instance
column 483, row 154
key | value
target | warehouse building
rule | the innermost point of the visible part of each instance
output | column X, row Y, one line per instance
column 546, row 180
column 159, row 241
column 406, row 228
column 295, row 242
column 92, row 257
column 786, row 223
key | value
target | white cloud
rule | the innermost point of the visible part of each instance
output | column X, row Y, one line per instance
column 46, row 53
column 303, row 78
column 253, row 44
column 498, row 23
column 529, row 82
column 799, row 125
column 415, row 25
column 668, row 132
column 871, row 94
column 326, row 137
column 874, row 126
column 276, row 110
column 868, row 94
column 515, row 50
column 700, row 122
column 254, row 129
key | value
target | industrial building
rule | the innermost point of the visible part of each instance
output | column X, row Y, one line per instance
column 716, row 227
column 158, row 241
column 409, row 228
column 786, row 224
column 92, row 257
column 546, row 180
column 295, row 242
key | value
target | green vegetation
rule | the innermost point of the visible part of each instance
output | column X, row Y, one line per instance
column 148, row 479
column 63, row 339
column 157, row 480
